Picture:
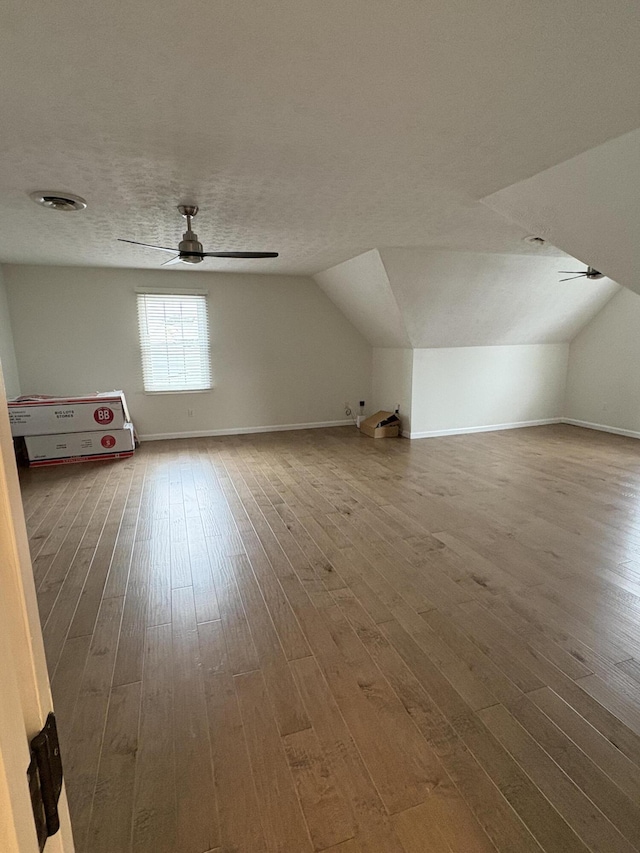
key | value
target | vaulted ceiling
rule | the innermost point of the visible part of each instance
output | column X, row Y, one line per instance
column 589, row 205
column 423, row 298
column 319, row 129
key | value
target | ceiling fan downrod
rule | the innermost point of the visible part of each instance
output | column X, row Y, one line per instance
column 189, row 243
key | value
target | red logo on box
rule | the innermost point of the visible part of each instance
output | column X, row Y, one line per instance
column 108, row 441
column 103, row 415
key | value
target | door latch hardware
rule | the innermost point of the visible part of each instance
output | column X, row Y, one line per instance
column 45, row 780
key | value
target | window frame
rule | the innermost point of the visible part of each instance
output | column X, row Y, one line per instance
column 173, row 291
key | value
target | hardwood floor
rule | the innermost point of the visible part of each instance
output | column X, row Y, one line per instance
column 315, row 641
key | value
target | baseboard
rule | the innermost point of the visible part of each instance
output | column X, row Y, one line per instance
column 488, row 428
column 205, row 433
column 630, row 433
column 428, row 434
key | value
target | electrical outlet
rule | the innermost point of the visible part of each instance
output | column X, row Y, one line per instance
column 189, row 413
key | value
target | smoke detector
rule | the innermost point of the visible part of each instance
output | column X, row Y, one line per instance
column 55, row 200
column 534, row 241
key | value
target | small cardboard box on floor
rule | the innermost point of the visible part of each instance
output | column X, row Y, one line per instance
column 80, row 446
column 371, row 425
column 55, row 415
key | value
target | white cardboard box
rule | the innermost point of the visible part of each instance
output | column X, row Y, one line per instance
column 56, row 415
column 80, row 446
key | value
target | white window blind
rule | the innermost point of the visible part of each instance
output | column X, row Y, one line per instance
column 174, row 339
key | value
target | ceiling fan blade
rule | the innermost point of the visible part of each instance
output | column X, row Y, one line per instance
column 580, row 275
column 239, row 254
column 171, row 261
column 147, row 245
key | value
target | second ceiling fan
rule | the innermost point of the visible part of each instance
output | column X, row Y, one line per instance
column 589, row 273
column 190, row 249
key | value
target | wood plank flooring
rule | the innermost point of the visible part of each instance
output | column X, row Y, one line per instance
column 313, row 641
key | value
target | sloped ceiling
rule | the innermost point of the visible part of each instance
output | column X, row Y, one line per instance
column 589, row 206
column 457, row 299
column 319, row 129
column 429, row 298
column 361, row 290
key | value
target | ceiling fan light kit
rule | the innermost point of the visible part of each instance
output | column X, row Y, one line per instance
column 190, row 249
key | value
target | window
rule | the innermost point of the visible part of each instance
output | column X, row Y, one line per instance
column 174, row 339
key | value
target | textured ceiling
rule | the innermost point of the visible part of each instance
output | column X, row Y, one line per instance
column 319, row 129
column 425, row 298
column 589, row 205
column 461, row 299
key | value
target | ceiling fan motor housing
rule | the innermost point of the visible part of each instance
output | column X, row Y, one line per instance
column 190, row 243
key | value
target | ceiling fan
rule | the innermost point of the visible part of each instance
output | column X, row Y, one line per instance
column 589, row 273
column 190, row 248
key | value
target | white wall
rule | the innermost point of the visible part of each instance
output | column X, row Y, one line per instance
column 392, row 383
column 458, row 389
column 282, row 353
column 603, row 384
column 7, row 350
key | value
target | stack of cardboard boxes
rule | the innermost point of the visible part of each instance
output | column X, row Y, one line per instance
column 58, row 430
